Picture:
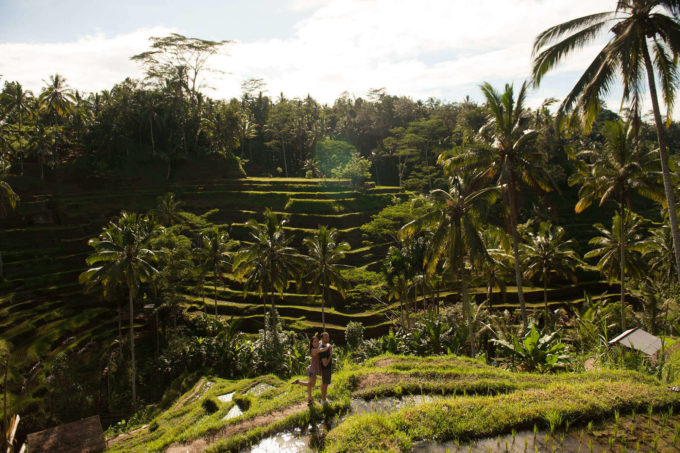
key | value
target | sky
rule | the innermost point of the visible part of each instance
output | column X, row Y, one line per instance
column 428, row 48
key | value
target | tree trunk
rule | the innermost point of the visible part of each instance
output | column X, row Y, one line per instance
column 132, row 351
column 323, row 308
column 272, row 324
column 215, row 289
column 5, row 425
column 466, row 305
column 285, row 163
column 21, row 143
column 153, row 143
column 663, row 154
column 545, row 292
column 489, row 293
column 622, row 262
column 120, row 326
column 515, row 251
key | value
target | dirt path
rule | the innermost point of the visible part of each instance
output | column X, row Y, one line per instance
column 199, row 445
column 197, row 388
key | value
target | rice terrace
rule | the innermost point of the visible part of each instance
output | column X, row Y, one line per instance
column 340, row 226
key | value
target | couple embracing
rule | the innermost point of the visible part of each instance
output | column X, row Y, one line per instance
column 321, row 363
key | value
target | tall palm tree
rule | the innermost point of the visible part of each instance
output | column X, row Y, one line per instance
column 619, row 249
column 547, row 255
column 8, row 198
column 167, row 210
column 633, row 26
column 268, row 261
column 20, row 101
column 456, row 232
column 324, row 254
column 512, row 159
column 658, row 251
column 396, row 271
column 614, row 171
column 497, row 268
column 215, row 252
column 56, row 100
column 121, row 257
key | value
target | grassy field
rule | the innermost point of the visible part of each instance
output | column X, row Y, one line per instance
column 467, row 399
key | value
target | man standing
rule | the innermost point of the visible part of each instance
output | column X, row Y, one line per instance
column 326, row 365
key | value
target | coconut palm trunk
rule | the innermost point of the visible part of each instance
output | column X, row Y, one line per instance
column 153, row 143
column 323, row 305
column 215, row 285
column 515, row 252
column 545, row 291
column 622, row 259
column 466, row 304
column 663, row 155
column 133, row 377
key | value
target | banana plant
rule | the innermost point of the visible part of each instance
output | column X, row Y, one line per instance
column 536, row 352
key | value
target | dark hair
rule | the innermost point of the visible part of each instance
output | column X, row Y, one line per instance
column 311, row 342
column 325, row 333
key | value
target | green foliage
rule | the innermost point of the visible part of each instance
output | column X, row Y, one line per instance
column 332, row 155
column 354, row 334
column 535, row 351
column 357, row 170
column 385, row 224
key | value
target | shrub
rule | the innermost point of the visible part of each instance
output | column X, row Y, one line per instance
column 209, row 405
column 357, row 170
column 354, row 334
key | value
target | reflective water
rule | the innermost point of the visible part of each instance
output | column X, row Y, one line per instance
column 287, row 442
column 226, row 397
column 233, row 413
column 259, row 389
column 299, row 441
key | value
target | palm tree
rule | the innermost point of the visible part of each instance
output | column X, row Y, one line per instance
column 121, row 257
column 167, row 211
column 56, row 99
column 497, row 267
column 267, row 262
column 614, row 171
column 658, row 252
column 20, row 101
column 8, row 198
column 456, row 233
column 324, row 254
column 396, row 271
column 215, row 252
column 634, row 26
column 619, row 249
column 512, row 159
column 547, row 254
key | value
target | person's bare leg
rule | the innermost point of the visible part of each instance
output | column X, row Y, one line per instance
column 324, row 389
column 310, row 386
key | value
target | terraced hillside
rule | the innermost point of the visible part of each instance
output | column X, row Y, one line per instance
column 44, row 245
column 396, row 403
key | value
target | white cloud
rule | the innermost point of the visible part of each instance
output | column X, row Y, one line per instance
column 439, row 48
column 91, row 63
column 305, row 5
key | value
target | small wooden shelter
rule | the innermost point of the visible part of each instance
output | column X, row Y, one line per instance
column 84, row 435
column 640, row 340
